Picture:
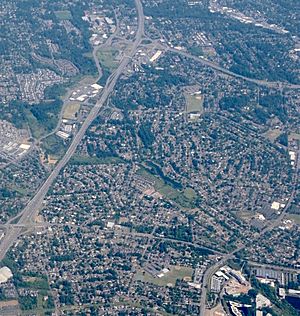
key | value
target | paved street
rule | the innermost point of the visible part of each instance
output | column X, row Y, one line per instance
column 30, row 212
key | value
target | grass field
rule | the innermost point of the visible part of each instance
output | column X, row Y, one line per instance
column 169, row 279
column 185, row 199
column 294, row 136
column 63, row 15
column 244, row 215
column 37, row 130
column 85, row 160
column 36, row 283
column 107, row 58
column 190, row 194
column 75, row 83
column 272, row 134
column 294, row 217
column 194, row 103
column 159, row 184
column 19, row 190
column 54, row 146
column 196, row 50
column 70, row 111
column 42, row 306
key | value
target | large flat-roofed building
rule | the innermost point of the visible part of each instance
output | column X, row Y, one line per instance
column 283, row 277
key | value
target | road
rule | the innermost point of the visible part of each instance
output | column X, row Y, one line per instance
column 214, row 268
column 31, row 210
column 206, row 62
column 100, row 73
column 108, row 43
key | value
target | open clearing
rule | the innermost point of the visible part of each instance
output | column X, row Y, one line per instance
column 42, row 308
column 54, row 146
column 85, row 160
column 63, row 15
column 107, row 58
column 294, row 136
column 194, row 103
column 190, row 193
column 169, row 279
column 71, row 110
column 159, row 184
column 295, row 218
column 185, row 198
column 77, row 83
column 272, row 134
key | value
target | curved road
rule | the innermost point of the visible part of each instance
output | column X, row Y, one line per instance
column 31, row 210
column 99, row 69
column 206, row 62
column 214, row 268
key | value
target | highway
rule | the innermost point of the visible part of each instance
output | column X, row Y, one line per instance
column 29, row 213
column 214, row 268
column 100, row 73
column 206, row 62
column 32, row 209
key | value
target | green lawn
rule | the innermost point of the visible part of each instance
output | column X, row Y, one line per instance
column 169, row 279
column 43, row 305
column 35, row 305
column 185, row 198
column 71, row 110
column 54, row 146
column 36, row 128
column 63, row 15
column 294, row 217
column 294, row 136
column 20, row 190
column 196, row 50
column 190, row 193
column 194, row 103
column 85, row 160
column 107, row 58
column 159, row 184
column 272, row 134
column 36, row 283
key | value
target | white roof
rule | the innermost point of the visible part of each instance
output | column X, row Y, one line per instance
column 25, row 146
column 156, row 56
column 220, row 274
column 260, row 217
column 96, row 86
column 292, row 155
column 110, row 224
column 82, row 97
column 275, row 206
column 5, row 274
column 62, row 134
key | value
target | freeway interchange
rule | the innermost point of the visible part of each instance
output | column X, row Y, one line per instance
column 31, row 210
column 29, row 213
